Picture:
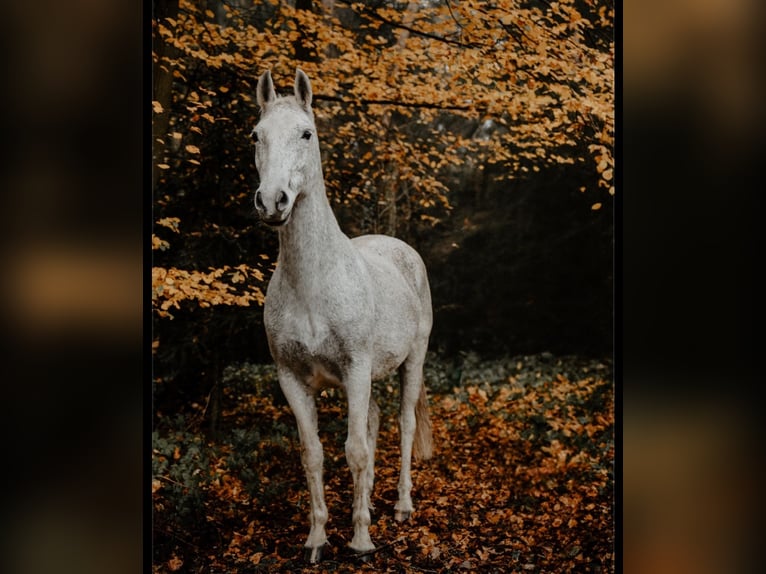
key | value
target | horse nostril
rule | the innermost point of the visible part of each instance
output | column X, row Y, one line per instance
column 282, row 201
column 259, row 201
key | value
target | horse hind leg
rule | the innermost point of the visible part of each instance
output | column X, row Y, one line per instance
column 414, row 429
column 373, row 424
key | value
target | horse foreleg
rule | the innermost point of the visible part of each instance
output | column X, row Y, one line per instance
column 359, row 457
column 303, row 405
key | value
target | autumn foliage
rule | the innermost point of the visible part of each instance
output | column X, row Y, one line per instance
column 409, row 99
column 421, row 109
column 522, row 479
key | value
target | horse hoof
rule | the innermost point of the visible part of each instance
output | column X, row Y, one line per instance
column 313, row 555
column 402, row 515
column 364, row 557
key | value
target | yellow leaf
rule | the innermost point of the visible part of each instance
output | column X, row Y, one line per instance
column 158, row 243
column 163, row 166
column 256, row 558
column 192, row 149
column 169, row 222
column 157, row 107
column 595, row 206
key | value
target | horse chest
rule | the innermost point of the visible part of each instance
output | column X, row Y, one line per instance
column 314, row 345
column 312, row 331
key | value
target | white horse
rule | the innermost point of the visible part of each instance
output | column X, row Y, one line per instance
column 338, row 311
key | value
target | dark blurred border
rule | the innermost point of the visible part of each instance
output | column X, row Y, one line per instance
column 72, row 256
column 692, row 147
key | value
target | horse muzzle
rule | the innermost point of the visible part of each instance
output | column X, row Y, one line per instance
column 274, row 209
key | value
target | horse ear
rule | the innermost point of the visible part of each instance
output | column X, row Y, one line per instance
column 303, row 91
column 265, row 93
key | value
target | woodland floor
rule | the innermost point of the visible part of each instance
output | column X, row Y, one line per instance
column 521, row 480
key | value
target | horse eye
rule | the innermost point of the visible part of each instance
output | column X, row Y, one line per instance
column 254, row 135
column 306, row 135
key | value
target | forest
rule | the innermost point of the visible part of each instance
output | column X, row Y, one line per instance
column 481, row 133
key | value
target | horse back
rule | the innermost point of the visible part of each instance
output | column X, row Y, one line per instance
column 398, row 272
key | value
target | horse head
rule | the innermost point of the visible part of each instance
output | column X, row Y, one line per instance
column 286, row 149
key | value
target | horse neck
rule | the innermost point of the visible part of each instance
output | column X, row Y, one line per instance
column 312, row 238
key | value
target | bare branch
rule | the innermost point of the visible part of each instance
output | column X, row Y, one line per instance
column 370, row 12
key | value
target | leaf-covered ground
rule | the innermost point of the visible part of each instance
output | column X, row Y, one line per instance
column 521, row 480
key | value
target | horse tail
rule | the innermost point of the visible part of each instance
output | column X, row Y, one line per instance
column 423, row 442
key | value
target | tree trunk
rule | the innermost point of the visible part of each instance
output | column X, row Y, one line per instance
column 391, row 184
column 302, row 45
column 162, row 76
